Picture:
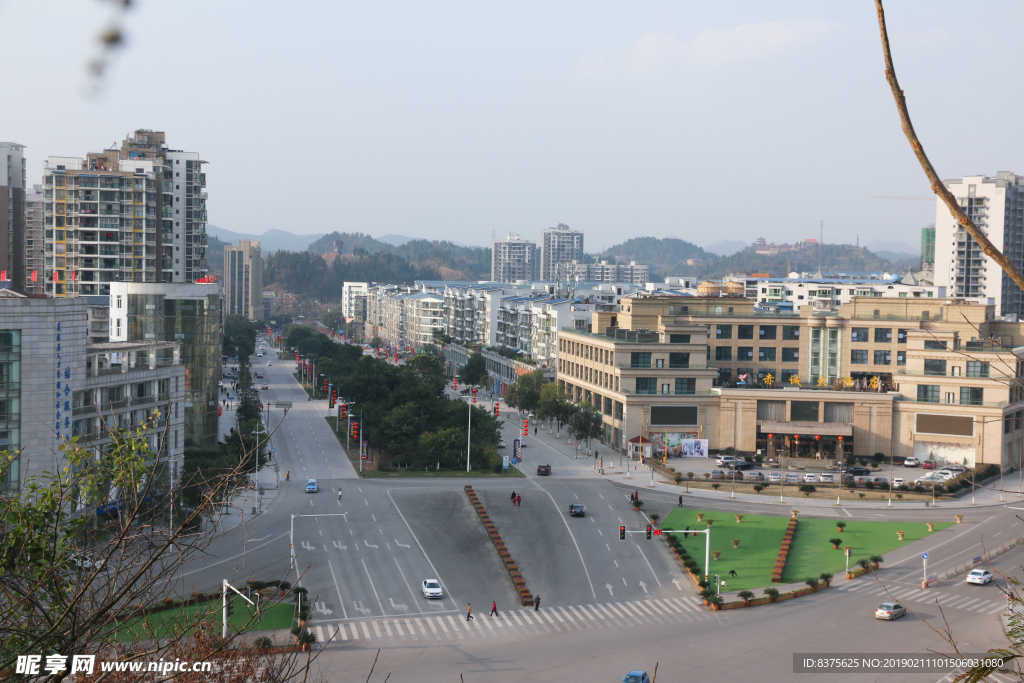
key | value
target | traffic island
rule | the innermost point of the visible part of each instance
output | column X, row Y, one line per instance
column 525, row 597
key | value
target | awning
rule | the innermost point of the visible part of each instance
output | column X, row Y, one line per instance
column 807, row 428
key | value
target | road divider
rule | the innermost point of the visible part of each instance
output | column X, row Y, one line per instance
column 525, row 597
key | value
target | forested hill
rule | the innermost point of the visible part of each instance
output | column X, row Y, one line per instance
column 307, row 274
column 453, row 262
column 664, row 255
column 827, row 257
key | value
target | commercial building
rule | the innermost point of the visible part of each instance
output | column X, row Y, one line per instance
column 514, row 260
column 575, row 271
column 559, row 245
column 243, row 280
column 191, row 315
column 131, row 214
column 269, row 305
column 12, row 213
column 45, row 352
column 996, row 205
column 34, row 241
column 350, row 293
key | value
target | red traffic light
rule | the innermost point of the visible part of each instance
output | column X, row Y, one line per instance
column 657, row 532
column 622, row 533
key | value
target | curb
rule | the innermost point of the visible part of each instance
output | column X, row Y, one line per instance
column 525, row 597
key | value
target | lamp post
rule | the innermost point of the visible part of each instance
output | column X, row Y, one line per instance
column 839, row 470
column 890, row 480
column 469, row 426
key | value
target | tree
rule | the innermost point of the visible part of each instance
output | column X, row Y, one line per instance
column 586, row 423
column 475, row 368
column 524, row 395
column 239, row 336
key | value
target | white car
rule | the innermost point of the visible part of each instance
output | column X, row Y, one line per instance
column 725, row 460
column 432, row 589
column 979, row 576
column 912, row 462
column 944, row 475
column 898, row 481
column 269, row 363
column 792, row 478
column 811, row 478
column 774, row 477
column 827, row 478
column 928, row 479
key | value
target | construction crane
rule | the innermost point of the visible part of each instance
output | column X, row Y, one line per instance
column 913, row 199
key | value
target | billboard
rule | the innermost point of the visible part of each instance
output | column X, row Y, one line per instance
column 678, row 444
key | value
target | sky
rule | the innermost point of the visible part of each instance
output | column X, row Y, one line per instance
column 462, row 120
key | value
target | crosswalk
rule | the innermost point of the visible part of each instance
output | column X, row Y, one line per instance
column 991, row 678
column 556, row 619
column 993, row 604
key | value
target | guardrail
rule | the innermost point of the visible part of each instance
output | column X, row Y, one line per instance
column 988, row 555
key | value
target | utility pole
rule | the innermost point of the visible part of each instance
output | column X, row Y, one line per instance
column 469, row 426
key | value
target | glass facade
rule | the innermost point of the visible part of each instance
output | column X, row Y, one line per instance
column 10, row 404
column 195, row 323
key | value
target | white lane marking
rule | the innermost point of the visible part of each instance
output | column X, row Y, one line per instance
column 374, row 517
column 616, row 563
column 419, row 545
column 379, row 603
column 599, row 530
column 341, row 600
column 608, row 546
column 648, row 565
column 366, row 631
column 407, row 584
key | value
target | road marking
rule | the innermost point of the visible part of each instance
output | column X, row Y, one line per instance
column 366, row 501
column 319, row 635
column 648, row 566
column 321, row 532
column 599, row 530
column 376, row 629
column 391, row 636
column 374, row 517
column 608, row 546
column 374, row 588
column 455, row 627
column 418, row 544
column 616, row 563
column 398, row 627
column 624, row 581
column 516, row 617
column 369, row 545
column 366, row 631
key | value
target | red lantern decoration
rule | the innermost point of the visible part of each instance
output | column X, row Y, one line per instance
column 840, row 438
column 771, row 436
column 817, row 437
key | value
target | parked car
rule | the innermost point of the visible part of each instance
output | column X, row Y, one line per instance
column 577, row 510
column 857, row 471
column 979, row 576
column 637, row 676
column 741, row 465
column 959, row 469
column 312, row 486
column 880, row 480
column 927, row 479
column 928, row 464
column 431, row 588
column 898, row 481
column 544, row 469
column 943, row 475
column 912, row 462
column 83, row 561
column 725, row 460
column 890, row 610
column 810, row 478
column 827, row 478
column 734, row 475
column 774, row 477
column 717, row 474
column 755, row 476
column 792, row 478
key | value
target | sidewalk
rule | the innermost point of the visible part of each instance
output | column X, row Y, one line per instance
column 641, row 478
column 247, row 503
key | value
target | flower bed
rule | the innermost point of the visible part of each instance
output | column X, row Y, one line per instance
column 861, row 571
column 787, row 542
column 525, row 597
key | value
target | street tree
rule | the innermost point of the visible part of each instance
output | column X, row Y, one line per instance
column 474, row 370
column 524, row 394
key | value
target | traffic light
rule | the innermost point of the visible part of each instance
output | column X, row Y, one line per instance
column 622, row 533
column 497, row 412
column 474, row 394
column 231, row 607
column 649, row 530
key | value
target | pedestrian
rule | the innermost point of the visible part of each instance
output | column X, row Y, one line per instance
column 469, row 611
column 519, row 501
column 686, row 534
column 513, row 498
column 536, row 603
column 535, row 431
column 287, row 475
column 339, row 495
column 494, row 609
column 680, row 500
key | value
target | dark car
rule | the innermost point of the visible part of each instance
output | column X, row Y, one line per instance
column 856, row 472
column 543, row 469
column 577, row 510
column 741, row 465
column 732, row 474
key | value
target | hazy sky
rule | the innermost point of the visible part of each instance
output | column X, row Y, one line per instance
column 699, row 120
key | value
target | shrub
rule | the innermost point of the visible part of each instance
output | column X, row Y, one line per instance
column 637, row 504
column 836, row 542
column 918, row 488
column 703, row 584
column 869, row 485
column 729, row 451
column 716, row 485
column 812, row 582
column 954, row 486
column 863, row 462
column 864, row 563
column 826, row 578
column 876, row 559
column 263, row 643
column 707, row 475
column 655, row 517
column 851, row 484
column 706, row 593
column 689, row 564
column 689, row 475
column 878, row 458
column 758, row 488
column 284, row 585
column 678, row 478
column 861, row 495
column 884, row 486
column 758, row 459
column 771, row 593
column 904, row 487
column 841, row 525
column 716, row 600
column 808, row 488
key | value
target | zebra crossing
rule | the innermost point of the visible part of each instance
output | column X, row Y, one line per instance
column 555, row 619
column 991, row 678
column 930, row 595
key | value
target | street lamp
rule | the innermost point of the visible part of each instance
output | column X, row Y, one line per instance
column 839, row 470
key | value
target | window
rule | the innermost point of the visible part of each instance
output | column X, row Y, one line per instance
column 766, row 354
column 883, row 357
column 659, row 362
column 679, row 360
column 686, row 386
column 646, row 385
column 934, row 345
column 764, row 372
column 803, row 411
column 859, row 334
column 883, row 335
column 790, row 355
column 859, row 357
column 901, row 358
column 971, row 396
column 767, row 331
column 665, row 389
column 790, row 332
column 640, row 359
column 679, row 339
column 725, row 375
column 976, row 368
column 723, row 353
column 744, row 331
column 723, row 331
column 928, row 393
column 933, row 366
column 744, row 353
column 785, row 375
column 901, row 336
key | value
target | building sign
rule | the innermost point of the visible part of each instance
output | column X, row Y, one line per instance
column 678, row 444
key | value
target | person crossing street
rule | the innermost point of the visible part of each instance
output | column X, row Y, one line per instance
column 494, row 609
column 469, row 611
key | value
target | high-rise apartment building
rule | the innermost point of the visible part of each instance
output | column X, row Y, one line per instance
column 12, row 213
column 134, row 214
column 559, row 245
column 513, row 259
column 996, row 205
column 574, row 271
column 350, row 293
column 243, row 280
column 34, row 241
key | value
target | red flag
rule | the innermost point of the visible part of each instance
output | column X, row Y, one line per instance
column 33, row 276
column 73, row 275
column 55, row 276
column 3, row 275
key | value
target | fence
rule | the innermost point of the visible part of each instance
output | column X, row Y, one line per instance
column 968, row 566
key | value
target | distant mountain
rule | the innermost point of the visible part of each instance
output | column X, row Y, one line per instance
column 726, row 247
column 396, row 240
column 271, row 240
column 827, row 257
column 894, row 249
column 664, row 256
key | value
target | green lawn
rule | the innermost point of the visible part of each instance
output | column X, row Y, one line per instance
column 761, row 536
column 181, row 620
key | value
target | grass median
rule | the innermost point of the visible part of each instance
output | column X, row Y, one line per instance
column 182, row 621
column 760, row 538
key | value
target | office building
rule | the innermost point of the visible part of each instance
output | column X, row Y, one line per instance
column 191, row 314
column 243, row 280
column 514, row 259
column 12, row 213
column 129, row 214
column 996, row 205
column 34, row 241
column 559, row 245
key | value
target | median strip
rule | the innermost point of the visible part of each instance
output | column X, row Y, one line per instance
column 506, row 557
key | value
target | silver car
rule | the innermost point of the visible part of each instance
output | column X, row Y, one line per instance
column 891, row 611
